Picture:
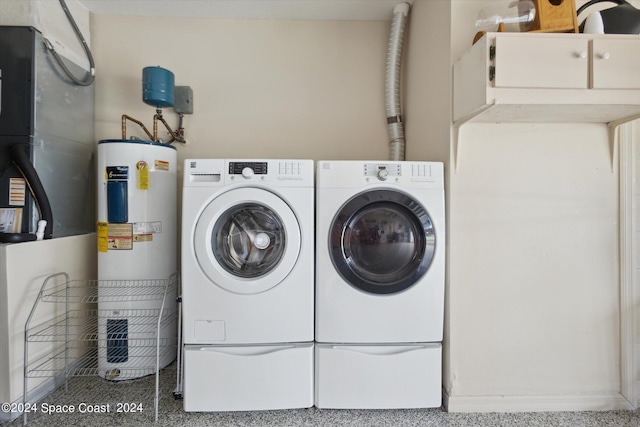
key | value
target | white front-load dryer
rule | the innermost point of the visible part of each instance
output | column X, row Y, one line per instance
column 248, row 284
column 380, row 265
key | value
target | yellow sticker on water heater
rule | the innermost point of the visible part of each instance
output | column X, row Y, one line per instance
column 143, row 175
column 103, row 236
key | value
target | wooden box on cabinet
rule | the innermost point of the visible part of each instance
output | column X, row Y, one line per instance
column 552, row 77
column 555, row 16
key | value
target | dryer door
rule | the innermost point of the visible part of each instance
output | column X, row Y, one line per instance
column 247, row 240
column 382, row 241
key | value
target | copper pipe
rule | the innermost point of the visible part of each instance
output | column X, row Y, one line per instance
column 174, row 136
column 155, row 125
column 124, row 127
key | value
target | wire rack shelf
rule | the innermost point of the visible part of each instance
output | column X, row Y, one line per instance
column 75, row 339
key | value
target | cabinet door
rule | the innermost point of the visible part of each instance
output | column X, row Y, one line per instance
column 529, row 62
column 616, row 64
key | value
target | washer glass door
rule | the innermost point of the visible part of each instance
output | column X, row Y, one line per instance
column 382, row 241
column 247, row 240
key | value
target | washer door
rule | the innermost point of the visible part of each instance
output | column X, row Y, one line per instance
column 247, row 240
column 382, row 241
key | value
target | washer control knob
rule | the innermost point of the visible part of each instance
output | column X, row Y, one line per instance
column 247, row 172
column 383, row 174
column 262, row 240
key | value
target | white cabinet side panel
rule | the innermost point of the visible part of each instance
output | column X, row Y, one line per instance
column 470, row 79
column 23, row 277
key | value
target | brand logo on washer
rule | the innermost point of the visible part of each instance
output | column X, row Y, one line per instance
column 193, row 165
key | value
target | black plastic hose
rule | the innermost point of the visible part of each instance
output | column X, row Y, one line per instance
column 19, row 153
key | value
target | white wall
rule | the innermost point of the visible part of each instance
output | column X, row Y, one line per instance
column 532, row 313
column 262, row 88
column 427, row 84
column 630, row 262
column 533, row 283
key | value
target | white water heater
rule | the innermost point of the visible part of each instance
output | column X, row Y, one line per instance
column 137, row 256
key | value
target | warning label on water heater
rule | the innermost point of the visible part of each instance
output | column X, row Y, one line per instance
column 144, row 231
column 152, row 227
column 114, row 237
column 120, row 237
column 138, row 238
column 162, row 165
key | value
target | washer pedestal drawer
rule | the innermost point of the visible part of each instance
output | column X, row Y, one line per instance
column 248, row 378
column 355, row 376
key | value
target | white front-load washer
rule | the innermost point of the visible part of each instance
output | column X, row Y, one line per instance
column 247, row 284
column 380, row 265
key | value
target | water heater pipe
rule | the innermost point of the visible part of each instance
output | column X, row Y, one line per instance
column 175, row 136
column 392, row 82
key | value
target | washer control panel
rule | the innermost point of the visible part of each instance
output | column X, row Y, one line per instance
column 274, row 172
column 248, row 169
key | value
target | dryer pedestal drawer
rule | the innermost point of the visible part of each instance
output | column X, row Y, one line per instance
column 248, row 378
column 378, row 376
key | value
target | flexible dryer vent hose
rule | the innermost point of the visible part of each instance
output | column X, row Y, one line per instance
column 392, row 82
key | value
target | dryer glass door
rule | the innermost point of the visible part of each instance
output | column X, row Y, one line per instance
column 382, row 241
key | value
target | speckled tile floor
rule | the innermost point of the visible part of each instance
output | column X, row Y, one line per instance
column 95, row 390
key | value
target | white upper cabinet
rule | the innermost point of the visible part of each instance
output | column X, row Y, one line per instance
column 527, row 77
column 535, row 63
column 615, row 64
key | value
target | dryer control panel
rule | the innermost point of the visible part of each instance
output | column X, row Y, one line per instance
column 382, row 171
column 352, row 174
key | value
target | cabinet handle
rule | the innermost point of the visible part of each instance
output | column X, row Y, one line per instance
column 605, row 55
column 582, row 54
